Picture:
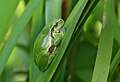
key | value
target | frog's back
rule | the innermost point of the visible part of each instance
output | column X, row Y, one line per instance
column 41, row 42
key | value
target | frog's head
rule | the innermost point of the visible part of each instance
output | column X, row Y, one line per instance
column 58, row 25
column 57, row 32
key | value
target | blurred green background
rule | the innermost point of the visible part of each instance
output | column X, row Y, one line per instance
column 18, row 66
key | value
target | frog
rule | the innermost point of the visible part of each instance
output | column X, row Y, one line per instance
column 47, row 43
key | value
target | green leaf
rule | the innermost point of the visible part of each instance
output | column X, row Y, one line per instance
column 38, row 20
column 53, row 10
column 88, row 9
column 115, row 62
column 37, row 25
column 18, row 28
column 103, row 59
column 76, row 36
column 115, row 24
column 102, row 64
column 5, row 18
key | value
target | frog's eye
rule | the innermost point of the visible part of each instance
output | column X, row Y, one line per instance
column 60, row 22
column 56, row 24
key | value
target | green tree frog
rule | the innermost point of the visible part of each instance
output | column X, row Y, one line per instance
column 47, row 43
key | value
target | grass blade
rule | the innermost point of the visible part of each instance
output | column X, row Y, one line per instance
column 103, row 59
column 5, row 18
column 18, row 28
column 115, row 63
column 37, row 25
column 77, row 33
column 53, row 10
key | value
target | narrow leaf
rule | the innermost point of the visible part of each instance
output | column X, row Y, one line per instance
column 53, row 10
column 37, row 25
column 115, row 62
column 18, row 28
column 103, row 59
column 5, row 18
